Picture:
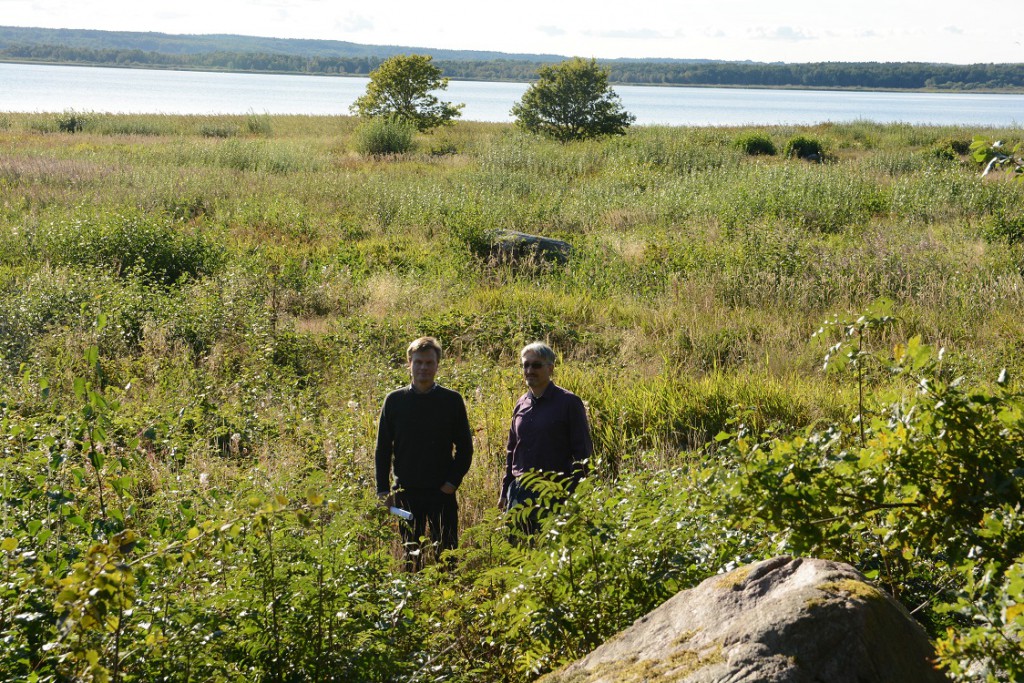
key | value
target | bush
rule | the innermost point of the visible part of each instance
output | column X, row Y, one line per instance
column 225, row 130
column 1002, row 227
column 755, row 143
column 258, row 124
column 71, row 121
column 127, row 243
column 950, row 149
column 803, row 147
column 383, row 135
column 127, row 126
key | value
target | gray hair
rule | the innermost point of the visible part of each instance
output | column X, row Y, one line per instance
column 542, row 350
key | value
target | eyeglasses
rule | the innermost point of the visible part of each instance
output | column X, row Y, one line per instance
column 536, row 364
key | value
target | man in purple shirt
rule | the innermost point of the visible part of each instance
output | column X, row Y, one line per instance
column 549, row 431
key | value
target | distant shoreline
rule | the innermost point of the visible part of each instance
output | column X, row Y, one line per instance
column 168, row 67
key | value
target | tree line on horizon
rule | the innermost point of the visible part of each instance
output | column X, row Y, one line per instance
column 862, row 75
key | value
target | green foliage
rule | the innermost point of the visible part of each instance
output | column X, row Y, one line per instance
column 258, row 124
column 219, row 130
column 130, row 243
column 71, row 121
column 196, row 334
column 401, row 87
column 803, row 147
column 572, row 101
column 259, row 156
column 994, row 154
column 991, row 602
column 755, row 143
column 951, row 149
column 1004, row 227
column 916, row 496
column 383, row 135
column 521, row 606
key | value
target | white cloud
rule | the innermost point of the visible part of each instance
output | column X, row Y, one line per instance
column 628, row 34
column 552, row 31
column 356, row 23
column 787, row 34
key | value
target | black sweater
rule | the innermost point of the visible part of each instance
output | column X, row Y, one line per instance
column 417, row 433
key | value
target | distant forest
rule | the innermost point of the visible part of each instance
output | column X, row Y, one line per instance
column 245, row 53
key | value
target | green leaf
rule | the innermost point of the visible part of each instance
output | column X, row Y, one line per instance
column 99, row 435
column 97, row 459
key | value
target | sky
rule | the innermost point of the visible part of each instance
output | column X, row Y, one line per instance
column 953, row 31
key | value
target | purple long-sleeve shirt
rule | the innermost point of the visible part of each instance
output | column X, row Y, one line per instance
column 549, row 434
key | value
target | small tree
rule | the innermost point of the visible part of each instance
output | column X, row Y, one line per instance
column 572, row 101
column 400, row 88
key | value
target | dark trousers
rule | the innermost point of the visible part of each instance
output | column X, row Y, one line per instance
column 431, row 509
column 520, row 495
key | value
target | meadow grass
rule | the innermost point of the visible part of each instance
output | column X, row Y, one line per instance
column 249, row 284
column 691, row 260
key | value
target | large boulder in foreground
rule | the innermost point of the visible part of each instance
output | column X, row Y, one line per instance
column 784, row 619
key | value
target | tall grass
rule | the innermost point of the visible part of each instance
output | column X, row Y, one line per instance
column 199, row 329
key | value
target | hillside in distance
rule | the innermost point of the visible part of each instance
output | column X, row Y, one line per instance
column 339, row 58
column 194, row 44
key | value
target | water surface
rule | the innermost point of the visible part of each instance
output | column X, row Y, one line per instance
column 48, row 88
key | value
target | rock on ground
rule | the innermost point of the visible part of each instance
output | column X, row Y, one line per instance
column 780, row 620
column 509, row 245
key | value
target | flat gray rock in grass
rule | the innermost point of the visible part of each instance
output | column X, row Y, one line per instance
column 509, row 245
column 780, row 620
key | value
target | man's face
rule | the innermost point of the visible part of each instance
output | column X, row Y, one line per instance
column 423, row 367
column 536, row 372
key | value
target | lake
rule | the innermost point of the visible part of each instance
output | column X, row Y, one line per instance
column 46, row 88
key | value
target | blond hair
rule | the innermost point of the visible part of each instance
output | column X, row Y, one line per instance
column 424, row 344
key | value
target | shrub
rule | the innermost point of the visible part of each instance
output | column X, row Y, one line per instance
column 150, row 246
column 1001, row 227
column 128, row 125
column 71, row 121
column 959, row 146
column 41, row 123
column 383, row 135
column 224, row 130
column 803, row 147
column 258, row 124
column 950, row 149
column 755, row 143
column 259, row 156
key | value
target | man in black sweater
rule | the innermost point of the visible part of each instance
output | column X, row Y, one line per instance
column 424, row 435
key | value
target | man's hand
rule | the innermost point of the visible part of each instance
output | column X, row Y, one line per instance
column 386, row 499
column 502, row 504
column 447, row 488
